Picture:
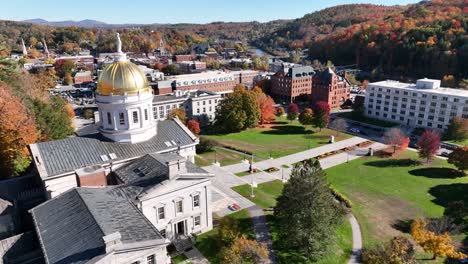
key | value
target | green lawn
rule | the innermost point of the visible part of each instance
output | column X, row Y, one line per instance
column 368, row 120
column 460, row 143
column 265, row 197
column 224, row 157
column 207, row 243
column 386, row 193
column 278, row 139
column 179, row 258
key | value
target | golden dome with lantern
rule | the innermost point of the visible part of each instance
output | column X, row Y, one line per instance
column 122, row 77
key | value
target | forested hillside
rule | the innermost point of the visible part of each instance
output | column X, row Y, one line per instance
column 425, row 39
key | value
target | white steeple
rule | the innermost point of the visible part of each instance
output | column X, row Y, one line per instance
column 46, row 50
column 25, row 51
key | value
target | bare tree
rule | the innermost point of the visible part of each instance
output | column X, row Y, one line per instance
column 339, row 124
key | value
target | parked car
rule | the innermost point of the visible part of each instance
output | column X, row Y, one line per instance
column 354, row 130
column 444, row 154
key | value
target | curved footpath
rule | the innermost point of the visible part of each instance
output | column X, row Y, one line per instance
column 357, row 240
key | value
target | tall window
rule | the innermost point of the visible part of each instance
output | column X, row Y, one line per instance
column 121, row 119
column 196, row 200
column 135, row 116
column 196, row 221
column 109, row 118
column 150, row 259
column 146, row 114
column 161, row 213
column 179, row 207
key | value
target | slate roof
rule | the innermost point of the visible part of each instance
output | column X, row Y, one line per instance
column 148, row 171
column 66, row 155
column 300, row 72
column 71, row 226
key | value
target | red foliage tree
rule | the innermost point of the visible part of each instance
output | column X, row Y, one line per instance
column 293, row 111
column 193, row 126
column 428, row 144
column 321, row 114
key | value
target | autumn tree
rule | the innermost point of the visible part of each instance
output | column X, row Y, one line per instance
column 339, row 124
column 306, row 212
column 70, row 110
column 439, row 245
column 279, row 111
column 457, row 129
column 306, row 117
column 265, row 106
column 459, row 158
column 399, row 250
column 52, row 118
column 177, row 112
column 321, row 115
column 397, row 138
column 17, row 131
column 64, row 67
column 428, row 144
column 193, row 126
column 293, row 112
column 245, row 250
column 238, row 111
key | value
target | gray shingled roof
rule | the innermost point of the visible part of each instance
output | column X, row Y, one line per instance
column 69, row 154
column 146, row 172
column 71, row 226
column 300, row 72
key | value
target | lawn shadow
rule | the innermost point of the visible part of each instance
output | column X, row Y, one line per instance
column 445, row 194
column 403, row 226
column 278, row 123
column 285, row 130
column 437, row 173
column 393, row 163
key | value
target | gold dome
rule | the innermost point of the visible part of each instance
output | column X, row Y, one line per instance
column 122, row 77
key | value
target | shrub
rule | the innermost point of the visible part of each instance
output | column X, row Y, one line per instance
column 205, row 145
column 340, row 197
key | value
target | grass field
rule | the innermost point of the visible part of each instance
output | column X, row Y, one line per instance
column 278, row 139
column 386, row 193
column 460, row 143
column 368, row 120
column 265, row 197
column 207, row 243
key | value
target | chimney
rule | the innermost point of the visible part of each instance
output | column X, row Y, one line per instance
column 94, row 176
column 176, row 167
column 112, row 241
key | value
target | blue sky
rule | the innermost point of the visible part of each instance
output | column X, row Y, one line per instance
column 170, row 11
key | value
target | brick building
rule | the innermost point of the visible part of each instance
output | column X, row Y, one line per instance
column 82, row 77
column 293, row 85
column 330, row 87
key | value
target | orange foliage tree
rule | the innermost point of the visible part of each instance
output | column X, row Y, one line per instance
column 439, row 245
column 265, row 106
column 244, row 250
column 70, row 111
column 17, row 131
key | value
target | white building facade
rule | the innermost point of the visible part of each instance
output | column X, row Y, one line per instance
column 424, row 104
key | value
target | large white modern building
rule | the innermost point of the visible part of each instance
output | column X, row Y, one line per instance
column 424, row 104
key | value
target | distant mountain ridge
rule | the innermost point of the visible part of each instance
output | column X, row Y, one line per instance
column 68, row 23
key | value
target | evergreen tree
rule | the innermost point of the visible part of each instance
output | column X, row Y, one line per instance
column 306, row 212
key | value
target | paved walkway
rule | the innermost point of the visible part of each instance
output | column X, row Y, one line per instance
column 194, row 256
column 357, row 240
column 262, row 232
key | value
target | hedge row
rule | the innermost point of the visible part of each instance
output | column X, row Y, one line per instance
column 340, row 197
